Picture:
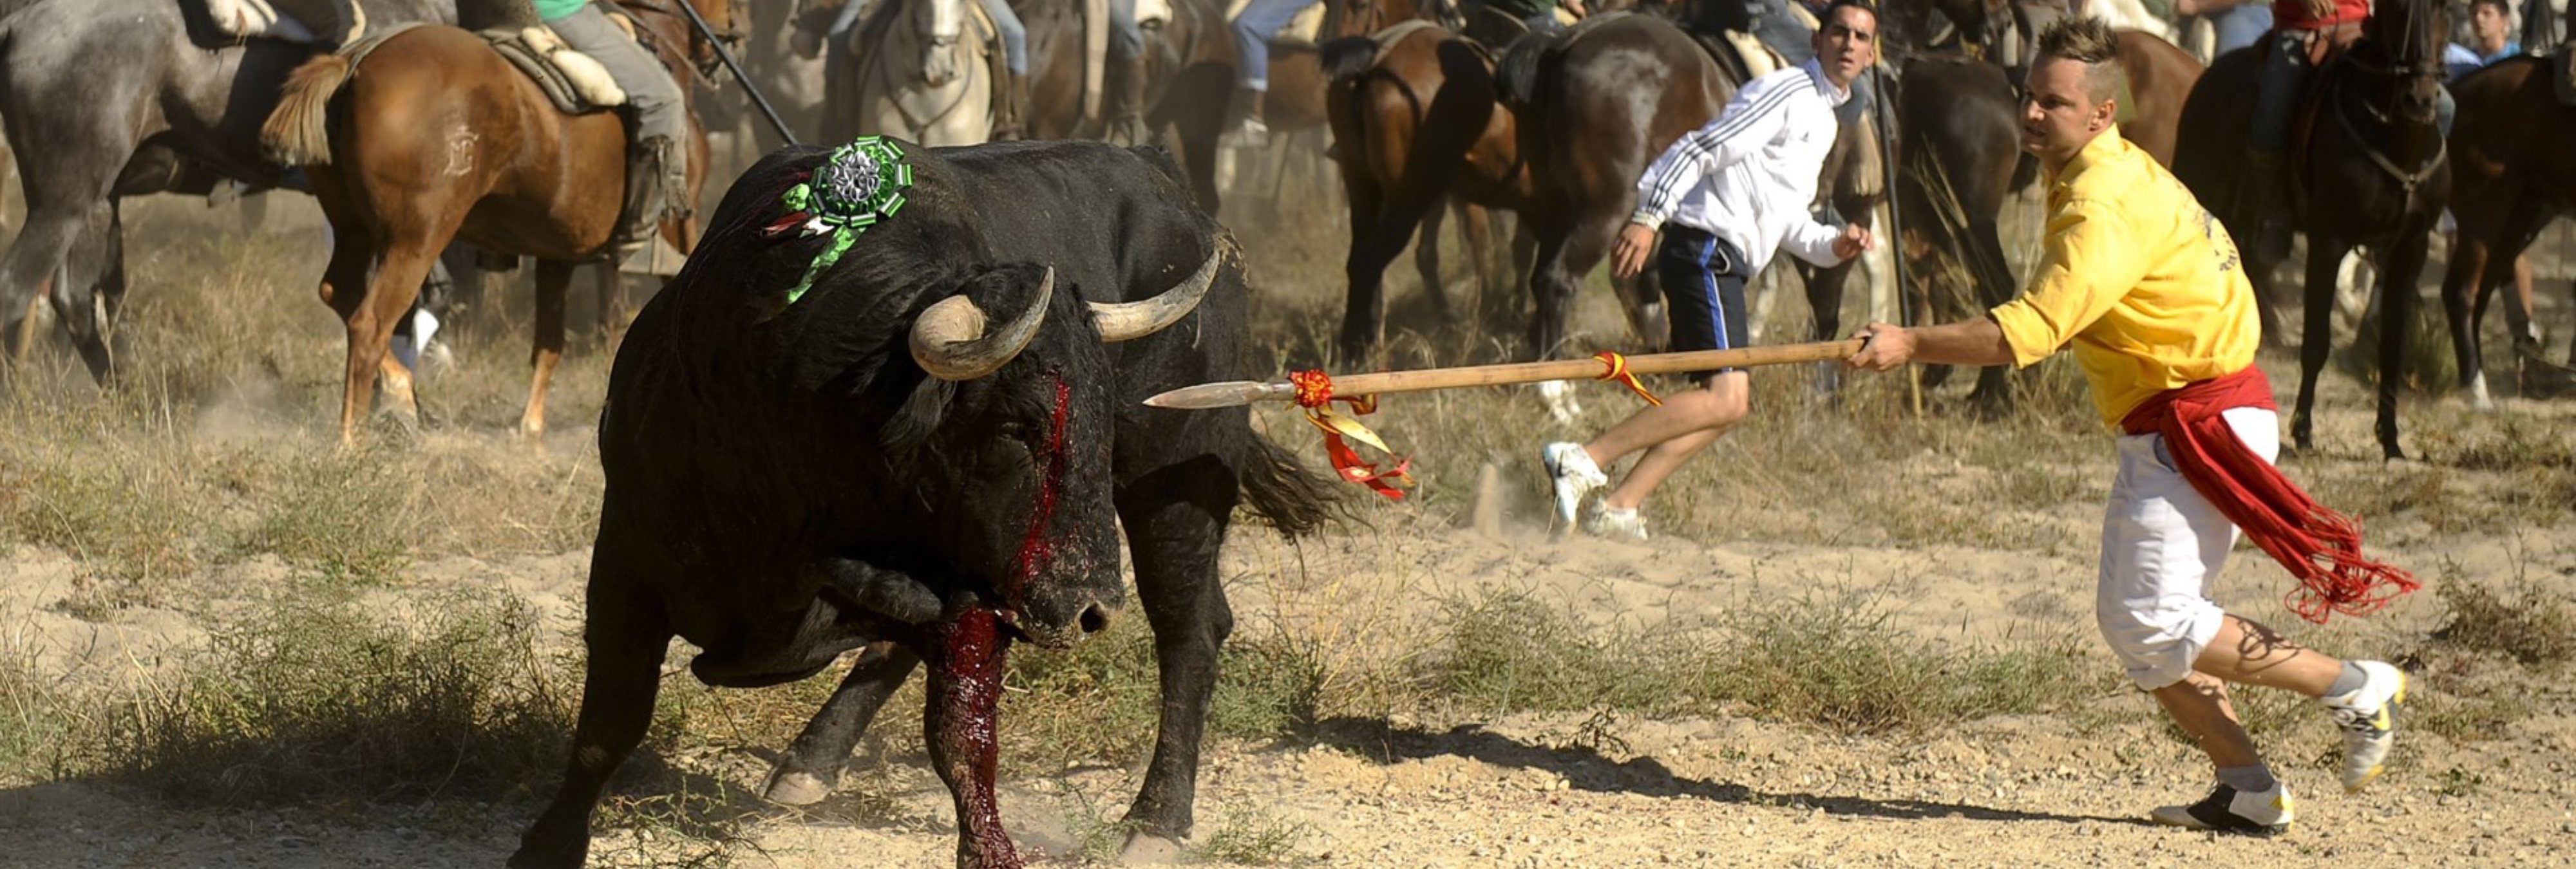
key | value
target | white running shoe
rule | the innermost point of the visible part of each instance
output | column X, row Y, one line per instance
column 1571, row 474
column 2368, row 717
column 1615, row 524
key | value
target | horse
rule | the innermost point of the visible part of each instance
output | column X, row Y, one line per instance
column 920, row 70
column 2513, row 170
column 2368, row 169
column 113, row 98
column 507, row 172
column 1416, row 122
column 1189, row 67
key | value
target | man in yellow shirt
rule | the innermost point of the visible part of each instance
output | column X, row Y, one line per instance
column 2147, row 287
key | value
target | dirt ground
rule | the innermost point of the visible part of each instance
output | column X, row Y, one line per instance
column 1437, row 787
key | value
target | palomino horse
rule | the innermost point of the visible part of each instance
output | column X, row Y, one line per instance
column 2368, row 169
column 2513, row 159
column 1189, row 65
column 923, row 70
column 105, row 99
column 443, row 138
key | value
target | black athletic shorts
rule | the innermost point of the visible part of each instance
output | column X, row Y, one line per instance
column 1703, row 278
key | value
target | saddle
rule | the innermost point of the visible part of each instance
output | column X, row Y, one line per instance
column 575, row 82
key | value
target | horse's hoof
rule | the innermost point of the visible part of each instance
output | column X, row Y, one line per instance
column 1147, row 849
column 797, row 788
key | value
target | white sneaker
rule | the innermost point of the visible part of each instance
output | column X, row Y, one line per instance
column 2368, row 717
column 2228, row 810
column 1616, row 524
column 1571, row 475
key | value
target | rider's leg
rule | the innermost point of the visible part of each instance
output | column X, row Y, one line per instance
column 1011, row 95
column 657, row 172
column 1252, row 31
column 2277, row 86
column 1125, row 75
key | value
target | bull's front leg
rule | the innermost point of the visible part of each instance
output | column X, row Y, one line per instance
column 966, row 653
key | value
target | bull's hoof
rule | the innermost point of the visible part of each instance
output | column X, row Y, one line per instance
column 1147, row 849
column 797, row 788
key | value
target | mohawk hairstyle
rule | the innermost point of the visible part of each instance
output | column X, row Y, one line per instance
column 2089, row 41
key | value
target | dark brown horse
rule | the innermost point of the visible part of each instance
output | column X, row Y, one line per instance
column 2367, row 169
column 441, row 138
column 1417, row 124
column 2513, row 169
column 1189, row 64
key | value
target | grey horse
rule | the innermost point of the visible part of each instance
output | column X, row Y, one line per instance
column 103, row 99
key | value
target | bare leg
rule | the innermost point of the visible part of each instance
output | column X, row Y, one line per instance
column 1686, row 423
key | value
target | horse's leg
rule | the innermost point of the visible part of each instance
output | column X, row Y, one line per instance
column 1364, row 307
column 1476, row 228
column 1426, row 260
column 2463, row 298
column 1992, row 396
column 64, row 212
column 1594, row 227
column 625, row 635
column 2325, row 254
column 811, row 767
column 554, row 281
column 2398, row 295
column 611, row 286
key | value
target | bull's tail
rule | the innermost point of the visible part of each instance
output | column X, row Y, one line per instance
column 1283, row 493
column 1348, row 57
column 299, row 132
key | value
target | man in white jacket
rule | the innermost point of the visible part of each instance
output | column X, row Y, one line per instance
column 1724, row 197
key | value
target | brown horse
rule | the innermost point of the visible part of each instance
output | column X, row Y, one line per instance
column 442, row 138
column 1189, row 65
column 2513, row 159
column 1417, row 122
column 2367, row 169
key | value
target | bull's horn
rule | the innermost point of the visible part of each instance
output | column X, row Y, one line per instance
column 950, row 342
column 1127, row 321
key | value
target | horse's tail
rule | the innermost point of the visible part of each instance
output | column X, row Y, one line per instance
column 1348, row 57
column 299, row 132
column 1517, row 74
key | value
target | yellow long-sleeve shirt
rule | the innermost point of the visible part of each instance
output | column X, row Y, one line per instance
column 2138, row 276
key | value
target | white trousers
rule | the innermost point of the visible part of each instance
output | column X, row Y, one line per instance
column 2162, row 547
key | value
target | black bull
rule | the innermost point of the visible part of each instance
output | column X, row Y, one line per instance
column 786, row 482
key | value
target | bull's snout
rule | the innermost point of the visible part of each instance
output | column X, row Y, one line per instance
column 1059, row 621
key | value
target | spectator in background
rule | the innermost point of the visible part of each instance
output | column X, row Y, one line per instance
column 2239, row 22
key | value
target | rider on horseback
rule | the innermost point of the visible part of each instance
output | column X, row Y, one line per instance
column 2302, row 29
column 657, row 169
column 1011, row 96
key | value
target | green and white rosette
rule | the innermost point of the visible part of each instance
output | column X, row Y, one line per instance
column 859, row 184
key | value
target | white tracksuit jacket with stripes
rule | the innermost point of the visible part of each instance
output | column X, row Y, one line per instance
column 1749, row 177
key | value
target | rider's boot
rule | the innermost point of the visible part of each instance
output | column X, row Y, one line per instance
column 655, row 181
column 1251, row 131
column 1010, row 106
column 1125, row 113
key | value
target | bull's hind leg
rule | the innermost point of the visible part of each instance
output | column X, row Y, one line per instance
column 811, row 768
column 1175, row 520
column 625, row 635
column 554, row 281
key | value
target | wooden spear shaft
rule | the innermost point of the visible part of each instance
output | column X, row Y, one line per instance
column 1233, row 393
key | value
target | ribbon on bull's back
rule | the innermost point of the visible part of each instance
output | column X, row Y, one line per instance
column 859, row 184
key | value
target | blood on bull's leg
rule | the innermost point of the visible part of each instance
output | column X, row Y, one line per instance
column 966, row 653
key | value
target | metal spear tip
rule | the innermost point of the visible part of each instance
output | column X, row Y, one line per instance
column 1231, row 393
